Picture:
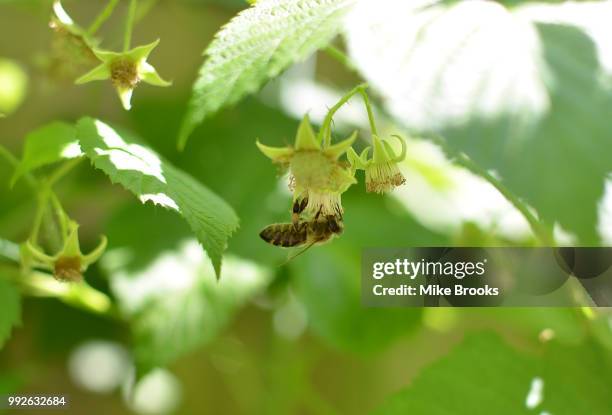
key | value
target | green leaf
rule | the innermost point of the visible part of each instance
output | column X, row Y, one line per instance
column 483, row 375
column 10, row 310
column 152, row 179
column 49, row 144
column 257, row 45
column 524, row 92
column 175, row 303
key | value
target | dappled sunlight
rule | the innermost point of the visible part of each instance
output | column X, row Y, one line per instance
column 99, row 366
column 591, row 16
column 126, row 156
column 535, row 395
column 487, row 61
column 178, row 271
column 160, row 199
column 157, row 393
column 443, row 196
column 71, row 150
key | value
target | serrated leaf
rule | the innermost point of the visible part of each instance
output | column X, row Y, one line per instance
column 143, row 172
column 49, row 144
column 257, row 45
column 10, row 310
column 527, row 100
column 483, row 375
column 175, row 304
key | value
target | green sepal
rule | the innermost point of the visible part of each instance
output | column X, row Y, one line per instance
column 99, row 73
column 306, row 138
column 336, row 150
column 276, row 154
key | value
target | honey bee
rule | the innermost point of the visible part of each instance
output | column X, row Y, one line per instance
column 302, row 232
column 317, row 231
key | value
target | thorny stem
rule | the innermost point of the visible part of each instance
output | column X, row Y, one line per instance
column 102, row 17
column 129, row 25
column 325, row 132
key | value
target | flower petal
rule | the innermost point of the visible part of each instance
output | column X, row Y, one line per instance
column 125, row 95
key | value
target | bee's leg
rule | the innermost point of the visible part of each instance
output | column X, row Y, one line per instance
column 298, row 207
column 318, row 213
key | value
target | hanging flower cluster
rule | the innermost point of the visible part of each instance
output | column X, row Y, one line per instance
column 318, row 176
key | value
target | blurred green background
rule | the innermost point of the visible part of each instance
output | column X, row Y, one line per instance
column 296, row 341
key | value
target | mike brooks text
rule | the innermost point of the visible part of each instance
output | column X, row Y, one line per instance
column 435, row 290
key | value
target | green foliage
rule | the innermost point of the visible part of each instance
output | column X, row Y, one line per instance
column 150, row 178
column 484, row 375
column 174, row 302
column 257, row 45
column 10, row 310
column 46, row 145
column 525, row 98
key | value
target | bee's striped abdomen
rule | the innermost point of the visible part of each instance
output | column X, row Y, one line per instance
column 284, row 234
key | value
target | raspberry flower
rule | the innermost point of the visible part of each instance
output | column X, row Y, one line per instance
column 381, row 171
column 125, row 70
column 69, row 263
column 316, row 173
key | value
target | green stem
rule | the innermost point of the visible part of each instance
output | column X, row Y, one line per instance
column 102, row 17
column 79, row 295
column 12, row 160
column 63, row 170
column 61, row 215
column 129, row 25
column 366, row 101
column 325, row 132
column 41, row 206
column 541, row 232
